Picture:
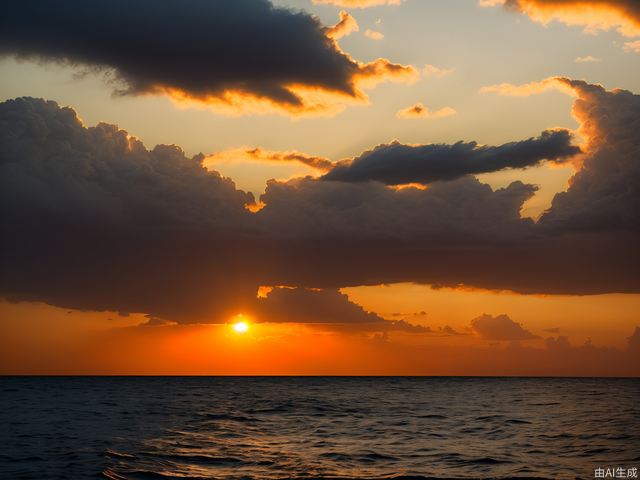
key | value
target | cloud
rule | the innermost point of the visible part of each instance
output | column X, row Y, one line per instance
column 527, row 89
column 344, row 27
column 358, row 3
column 93, row 220
column 233, row 57
column 420, row 111
column 311, row 210
column 632, row 46
column 257, row 154
column 373, row 35
column 587, row 59
column 593, row 15
column 124, row 228
column 605, row 193
column 433, row 71
column 396, row 163
column 325, row 307
column 500, row 328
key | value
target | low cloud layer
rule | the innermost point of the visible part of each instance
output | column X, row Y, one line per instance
column 396, row 163
column 233, row 56
column 93, row 220
column 325, row 307
column 500, row 328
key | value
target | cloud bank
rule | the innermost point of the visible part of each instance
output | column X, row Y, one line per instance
column 92, row 219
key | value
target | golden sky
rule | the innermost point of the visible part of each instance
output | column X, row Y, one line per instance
column 361, row 187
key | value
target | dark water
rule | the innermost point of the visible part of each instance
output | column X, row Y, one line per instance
column 263, row 428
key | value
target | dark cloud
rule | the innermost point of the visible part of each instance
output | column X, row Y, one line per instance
column 93, row 220
column 395, row 163
column 500, row 327
column 605, row 193
column 301, row 305
column 213, row 51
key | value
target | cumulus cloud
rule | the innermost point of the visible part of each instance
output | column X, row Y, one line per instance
column 110, row 224
column 358, row 3
column 587, row 59
column 396, row 163
column 373, row 35
column 236, row 57
column 500, row 328
column 307, row 208
column 346, row 26
column 593, row 15
column 433, row 71
column 326, row 307
column 605, row 193
column 420, row 111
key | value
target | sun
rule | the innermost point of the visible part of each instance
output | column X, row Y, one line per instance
column 241, row 327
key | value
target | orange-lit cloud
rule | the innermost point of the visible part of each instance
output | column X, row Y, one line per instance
column 346, row 26
column 632, row 46
column 358, row 3
column 381, row 70
column 204, row 64
column 321, row 164
column 373, row 35
column 527, row 89
column 420, row 111
column 587, row 59
column 593, row 15
column 433, row 71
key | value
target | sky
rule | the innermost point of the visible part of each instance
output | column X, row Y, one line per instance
column 394, row 187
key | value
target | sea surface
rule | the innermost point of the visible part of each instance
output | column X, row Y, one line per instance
column 316, row 427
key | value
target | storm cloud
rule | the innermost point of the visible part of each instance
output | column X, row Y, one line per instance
column 221, row 53
column 395, row 163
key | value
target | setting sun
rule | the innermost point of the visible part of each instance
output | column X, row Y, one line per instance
column 241, row 327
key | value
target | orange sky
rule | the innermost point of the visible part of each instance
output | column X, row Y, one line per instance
column 393, row 175
column 38, row 339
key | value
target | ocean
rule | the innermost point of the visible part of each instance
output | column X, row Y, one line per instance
column 317, row 427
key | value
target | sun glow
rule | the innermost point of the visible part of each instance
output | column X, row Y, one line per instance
column 241, row 327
